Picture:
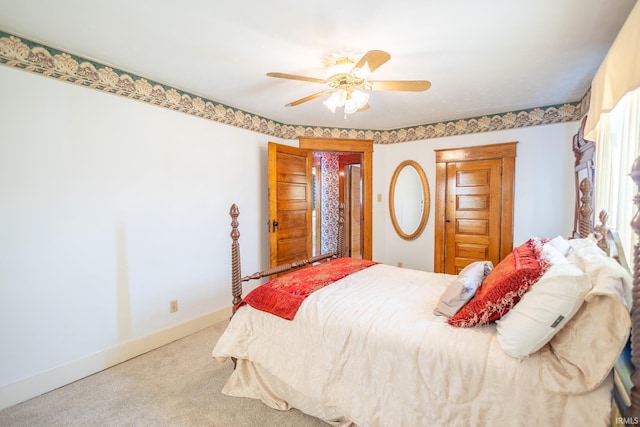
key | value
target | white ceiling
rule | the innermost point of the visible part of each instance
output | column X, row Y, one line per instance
column 482, row 57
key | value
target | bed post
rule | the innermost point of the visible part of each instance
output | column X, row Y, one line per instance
column 585, row 227
column 236, row 274
column 635, row 310
column 603, row 230
column 236, row 282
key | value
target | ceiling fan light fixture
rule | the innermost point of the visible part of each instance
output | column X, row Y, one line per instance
column 351, row 101
column 348, row 84
column 356, row 101
column 362, row 72
column 337, row 99
column 341, row 66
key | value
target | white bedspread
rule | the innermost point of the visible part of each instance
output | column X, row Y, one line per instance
column 370, row 348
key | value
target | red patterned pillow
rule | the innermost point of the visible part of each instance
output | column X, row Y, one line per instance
column 504, row 286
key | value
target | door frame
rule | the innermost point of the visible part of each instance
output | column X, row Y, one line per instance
column 365, row 148
column 504, row 151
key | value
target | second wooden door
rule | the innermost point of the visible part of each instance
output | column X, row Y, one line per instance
column 474, row 205
column 472, row 213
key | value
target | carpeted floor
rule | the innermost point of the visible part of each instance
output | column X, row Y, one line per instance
column 176, row 385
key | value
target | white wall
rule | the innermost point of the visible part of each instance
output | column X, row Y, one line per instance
column 110, row 208
column 544, row 188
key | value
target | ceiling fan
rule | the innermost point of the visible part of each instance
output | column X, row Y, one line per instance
column 347, row 82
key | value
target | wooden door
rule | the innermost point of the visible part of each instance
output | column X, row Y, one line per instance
column 472, row 213
column 474, row 205
column 290, row 204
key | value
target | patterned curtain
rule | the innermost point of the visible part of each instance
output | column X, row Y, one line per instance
column 330, row 166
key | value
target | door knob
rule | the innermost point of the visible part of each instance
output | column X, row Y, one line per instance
column 275, row 225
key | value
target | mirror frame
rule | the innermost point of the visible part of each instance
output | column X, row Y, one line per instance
column 425, row 193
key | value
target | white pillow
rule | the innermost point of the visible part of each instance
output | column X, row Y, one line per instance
column 580, row 356
column 561, row 244
column 461, row 290
column 545, row 308
column 601, row 269
column 551, row 253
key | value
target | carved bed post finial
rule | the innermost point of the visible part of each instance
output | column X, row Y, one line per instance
column 635, row 309
column 604, row 217
column 602, row 231
column 585, row 226
column 236, row 282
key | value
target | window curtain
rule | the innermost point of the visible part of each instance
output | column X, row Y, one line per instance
column 613, row 122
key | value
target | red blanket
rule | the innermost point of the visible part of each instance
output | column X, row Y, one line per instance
column 283, row 295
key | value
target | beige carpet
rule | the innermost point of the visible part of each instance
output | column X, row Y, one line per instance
column 176, row 385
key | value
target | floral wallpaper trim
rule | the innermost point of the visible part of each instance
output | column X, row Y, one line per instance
column 35, row 58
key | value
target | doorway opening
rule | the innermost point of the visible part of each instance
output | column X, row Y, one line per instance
column 337, row 179
column 348, row 152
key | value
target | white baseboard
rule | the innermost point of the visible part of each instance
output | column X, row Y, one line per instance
column 14, row 393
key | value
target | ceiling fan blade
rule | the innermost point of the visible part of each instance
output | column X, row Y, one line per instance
column 296, row 77
column 401, row 85
column 307, row 98
column 374, row 58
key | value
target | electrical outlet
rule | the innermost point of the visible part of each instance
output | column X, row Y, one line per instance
column 400, row 264
column 173, row 306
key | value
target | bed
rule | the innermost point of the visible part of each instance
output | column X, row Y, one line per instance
column 377, row 345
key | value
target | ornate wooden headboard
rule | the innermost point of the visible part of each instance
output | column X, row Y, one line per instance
column 583, row 225
column 627, row 401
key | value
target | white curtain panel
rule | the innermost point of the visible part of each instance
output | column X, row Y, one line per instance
column 613, row 122
column 617, row 146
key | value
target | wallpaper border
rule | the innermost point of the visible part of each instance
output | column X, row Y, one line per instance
column 27, row 55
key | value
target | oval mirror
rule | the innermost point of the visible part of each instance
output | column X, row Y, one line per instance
column 409, row 200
